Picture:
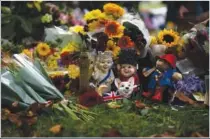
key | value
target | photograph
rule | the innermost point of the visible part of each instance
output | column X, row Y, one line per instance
column 102, row 69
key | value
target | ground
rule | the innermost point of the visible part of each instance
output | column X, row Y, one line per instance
column 158, row 119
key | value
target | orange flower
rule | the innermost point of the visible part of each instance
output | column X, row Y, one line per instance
column 114, row 29
column 125, row 42
column 56, row 129
column 113, row 9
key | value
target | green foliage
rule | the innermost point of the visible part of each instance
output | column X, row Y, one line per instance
column 10, row 47
column 157, row 120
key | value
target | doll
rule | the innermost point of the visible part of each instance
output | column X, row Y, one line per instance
column 103, row 74
column 160, row 76
column 127, row 67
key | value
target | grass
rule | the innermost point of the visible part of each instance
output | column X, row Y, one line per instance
column 130, row 123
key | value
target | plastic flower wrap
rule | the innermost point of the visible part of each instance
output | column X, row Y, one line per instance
column 190, row 84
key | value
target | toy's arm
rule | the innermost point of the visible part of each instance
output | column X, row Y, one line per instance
column 146, row 73
column 177, row 76
column 95, row 74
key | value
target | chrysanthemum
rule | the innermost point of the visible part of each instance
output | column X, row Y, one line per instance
column 153, row 40
column 113, row 9
column 94, row 25
column 77, row 29
column 43, row 49
column 111, row 46
column 70, row 47
column 94, row 14
column 114, row 29
column 27, row 52
column 56, row 73
column 168, row 38
column 52, row 64
column 125, row 42
column 74, row 71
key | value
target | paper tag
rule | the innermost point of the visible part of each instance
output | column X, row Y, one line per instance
column 198, row 96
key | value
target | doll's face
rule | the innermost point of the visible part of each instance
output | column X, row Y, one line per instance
column 127, row 70
column 162, row 65
column 105, row 64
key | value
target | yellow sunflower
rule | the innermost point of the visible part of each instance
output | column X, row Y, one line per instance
column 113, row 9
column 94, row 14
column 111, row 46
column 78, row 29
column 114, row 29
column 168, row 38
column 43, row 49
column 70, row 47
column 74, row 71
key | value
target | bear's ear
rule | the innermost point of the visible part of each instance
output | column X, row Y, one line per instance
column 131, row 80
column 117, row 82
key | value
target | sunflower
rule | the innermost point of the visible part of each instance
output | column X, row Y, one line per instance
column 92, row 15
column 114, row 29
column 168, row 37
column 125, row 42
column 74, row 71
column 111, row 46
column 113, row 9
column 43, row 49
column 78, row 29
column 153, row 40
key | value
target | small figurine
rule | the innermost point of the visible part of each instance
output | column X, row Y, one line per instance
column 160, row 76
column 103, row 74
column 125, row 88
column 127, row 67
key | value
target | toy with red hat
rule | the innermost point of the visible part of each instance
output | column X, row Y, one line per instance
column 160, row 76
column 170, row 59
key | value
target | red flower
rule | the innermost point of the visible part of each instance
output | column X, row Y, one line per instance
column 90, row 99
column 125, row 42
column 65, row 58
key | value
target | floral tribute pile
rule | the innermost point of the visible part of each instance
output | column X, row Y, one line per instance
column 87, row 60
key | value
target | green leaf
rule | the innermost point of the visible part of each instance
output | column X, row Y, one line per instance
column 8, row 29
column 25, row 24
column 144, row 111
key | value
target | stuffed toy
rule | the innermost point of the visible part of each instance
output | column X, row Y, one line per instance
column 160, row 77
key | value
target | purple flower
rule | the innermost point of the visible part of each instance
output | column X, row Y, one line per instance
column 189, row 84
